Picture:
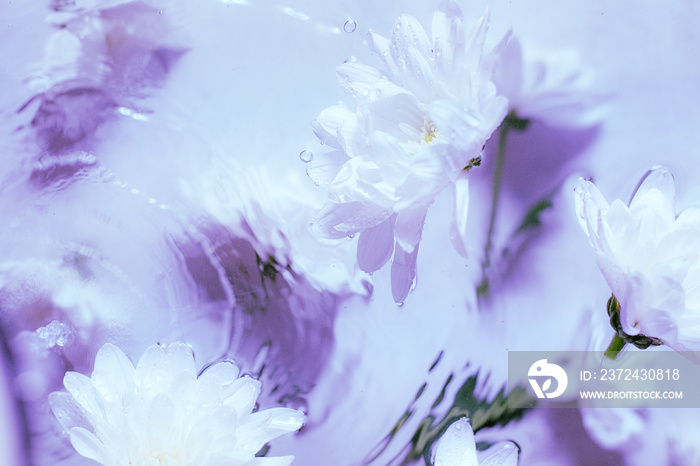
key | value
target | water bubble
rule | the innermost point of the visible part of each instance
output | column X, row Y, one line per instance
column 316, row 182
column 55, row 334
column 306, row 156
column 349, row 26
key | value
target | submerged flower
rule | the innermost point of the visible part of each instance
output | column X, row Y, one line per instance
column 650, row 259
column 103, row 55
column 414, row 129
column 554, row 89
column 161, row 412
column 457, row 447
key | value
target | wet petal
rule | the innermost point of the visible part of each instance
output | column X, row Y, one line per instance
column 456, row 447
column 409, row 227
column 375, row 246
column 458, row 230
column 657, row 192
column 403, row 272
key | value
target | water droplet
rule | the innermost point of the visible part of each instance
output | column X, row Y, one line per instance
column 349, row 26
column 306, row 156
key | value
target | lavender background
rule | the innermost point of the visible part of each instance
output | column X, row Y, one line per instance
column 131, row 232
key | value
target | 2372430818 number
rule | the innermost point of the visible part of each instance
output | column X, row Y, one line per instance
column 639, row 374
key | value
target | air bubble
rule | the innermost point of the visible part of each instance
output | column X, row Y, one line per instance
column 306, row 156
column 349, row 26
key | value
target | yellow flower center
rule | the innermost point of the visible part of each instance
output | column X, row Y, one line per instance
column 429, row 132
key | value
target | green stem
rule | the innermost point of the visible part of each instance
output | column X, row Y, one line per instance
column 497, row 181
column 615, row 347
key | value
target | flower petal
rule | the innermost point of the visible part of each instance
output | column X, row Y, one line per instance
column 500, row 454
column 326, row 125
column 409, row 226
column 358, row 80
column 403, row 272
column 242, row 395
column 458, row 230
column 80, row 387
column 448, row 33
column 345, row 219
column 87, row 445
column 467, row 127
column 375, row 246
column 657, row 192
column 67, row 410
column 118, row 369
column 456, row 447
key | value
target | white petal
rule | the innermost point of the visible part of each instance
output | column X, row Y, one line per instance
column 274, row 461
column 657, row 192
column 358, row 80
column 382, row 47
column 153, row 358
column 181, row 359
column 456, row 447
column 475, row 42
column 341, row 220
column 81, row 388
column 411, row 52
column 589, row 204
column 375, row 246
column 263, row 426
column 448, row 33
column 326, row 125
column 409, row 227
column 458, row 230
column 243, row 395
column 67, row 410
column 509, row 75
column 160, row 422
column 117, row 371
column 500, row 454
column 467, row 128
column 86, row 444
column 403, row 272
column 326, row 167
column 225, row 372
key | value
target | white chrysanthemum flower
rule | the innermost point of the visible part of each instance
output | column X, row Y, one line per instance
column 413, row 130
column 650, row 259
column 554, row 88
column 457, row 447
column 161, row 413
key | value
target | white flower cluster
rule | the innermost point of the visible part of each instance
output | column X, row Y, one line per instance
column 417, row 127
column 649, row 257
column 160, row 412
